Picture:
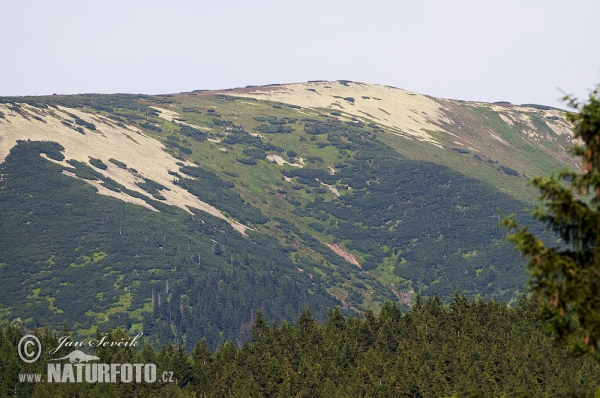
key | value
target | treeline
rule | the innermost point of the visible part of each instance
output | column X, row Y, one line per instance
column 467, row 348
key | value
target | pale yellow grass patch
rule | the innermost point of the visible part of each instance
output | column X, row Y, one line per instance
column 170, row 115
column 560, row 126
column 393, row 108
column 145, row 154
column 337, row 249
column 166, row 114
column 102, row 190
column 521, row 114
column 506, row 120
column 527, row 120
column 331, row 188
column 281, row 161
column 497, row 137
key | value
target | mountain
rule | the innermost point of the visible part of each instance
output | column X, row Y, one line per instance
column 182, row 215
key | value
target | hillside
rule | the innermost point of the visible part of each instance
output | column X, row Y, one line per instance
column 184, row 214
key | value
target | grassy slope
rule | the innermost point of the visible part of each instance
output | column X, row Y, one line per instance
column 264, row 177
column 264, row 187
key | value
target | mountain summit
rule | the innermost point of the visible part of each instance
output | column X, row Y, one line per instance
column 183, row 214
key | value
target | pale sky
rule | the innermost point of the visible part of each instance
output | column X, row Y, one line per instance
column 519, row 51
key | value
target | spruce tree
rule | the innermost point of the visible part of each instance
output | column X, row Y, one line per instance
column 565, row 276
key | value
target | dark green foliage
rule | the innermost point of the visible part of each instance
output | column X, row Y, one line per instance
column 82, row 122
column 152, row 187
column 174, row 142
column 294, row 201
column 390, row 192
column 98, row 163
column 255, row 153
column 305, row 175
column 463, row 349
column 310, row 182
column 317, row 226
column 460, row 150
column 84, row 171
column 208, row 187
column 191, row 132
column 118, row 163
column 565, row 275
column 207, row 176
column 247, row 161
column 271, row 120
column 119, row 106
column 436, row 230
column 87, row 251
column 50, row 149
column 509, row 171
column 150, row 126
column 113, row 185
column 274, row 129
column 253, row 144
column 240, row 136
column 314, row 159
column 540, row 107
column 315, row 127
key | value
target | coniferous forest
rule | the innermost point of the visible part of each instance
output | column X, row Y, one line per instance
column 466, row 348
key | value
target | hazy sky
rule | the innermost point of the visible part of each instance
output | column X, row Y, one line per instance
column 520, row 51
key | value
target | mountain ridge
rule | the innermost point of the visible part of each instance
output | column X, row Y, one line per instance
column 336, row 199
column 448, row 121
